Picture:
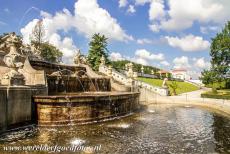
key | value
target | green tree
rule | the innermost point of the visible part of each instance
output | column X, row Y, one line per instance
column 220, row 58
column 174, row 85
column 98, row 48
column 38, row 33
column 50, row 53
column 220, row 51
column 120, row 65
column 208, row 77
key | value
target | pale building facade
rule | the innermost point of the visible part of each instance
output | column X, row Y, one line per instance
column 180, row 74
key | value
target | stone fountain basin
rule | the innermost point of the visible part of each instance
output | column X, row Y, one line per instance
column 85, row 107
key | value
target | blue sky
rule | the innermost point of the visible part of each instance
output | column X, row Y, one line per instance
column 164, row 33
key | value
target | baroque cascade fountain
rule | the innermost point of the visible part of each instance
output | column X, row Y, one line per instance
column 46, row 95
column 35, row 91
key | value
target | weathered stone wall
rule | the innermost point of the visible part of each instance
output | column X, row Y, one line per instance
column 3, row 112
column 74, row 109
column 32, row 76
column 15, row 106
column 66, row 84
column 18, row 105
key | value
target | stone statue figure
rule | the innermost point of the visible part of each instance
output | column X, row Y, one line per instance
column 14, row 61
column 7, row 40
column 36, row 52
column 135, row 75
column 77, row 58
column 130, row 70
column 164, row 84
column 102, row 60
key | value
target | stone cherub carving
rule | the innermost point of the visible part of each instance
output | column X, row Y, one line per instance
column 102, row 60
column 14, row 61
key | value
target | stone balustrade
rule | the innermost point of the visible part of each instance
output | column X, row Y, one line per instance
column 132, row 82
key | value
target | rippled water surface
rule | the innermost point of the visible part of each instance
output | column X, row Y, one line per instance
column 160, row 129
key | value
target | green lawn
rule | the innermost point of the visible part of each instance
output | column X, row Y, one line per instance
column 182, row 86
column 220, row 94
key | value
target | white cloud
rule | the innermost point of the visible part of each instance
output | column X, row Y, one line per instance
column 131, row 9
column 144, row 41
column 90, row 19
column 165, row 63
column 188, row 43
column 156, row 11
column 181, row 62
column 2, row 23
column 115, row 56
column 123, row 3
column 66, row 45
column 144, row 54
column 140, row 61
column 141, row 2
column 208, row 29
column 194, row 66
column 182, row 14
column 27, row 30
column 201, row 63
column 84, row 20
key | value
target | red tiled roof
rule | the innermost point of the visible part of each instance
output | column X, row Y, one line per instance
column 179, row 70
column 163, row 71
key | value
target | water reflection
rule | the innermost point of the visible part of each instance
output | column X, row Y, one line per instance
column 166, row 130
column 221, row 128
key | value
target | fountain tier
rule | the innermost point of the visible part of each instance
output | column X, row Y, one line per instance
column 75, row 108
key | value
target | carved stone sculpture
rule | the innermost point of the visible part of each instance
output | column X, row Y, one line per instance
column 130, row 70
column 14, row 61
column 164, row 84
column 77, row 58
column 36, row 52
column 102, row 60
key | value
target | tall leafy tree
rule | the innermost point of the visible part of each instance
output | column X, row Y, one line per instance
column 220, row 51
column 48, row 52
column 220, row 58
column 97, row 49
column 38, row 33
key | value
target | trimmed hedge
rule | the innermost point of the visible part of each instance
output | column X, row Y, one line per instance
column 216, row 96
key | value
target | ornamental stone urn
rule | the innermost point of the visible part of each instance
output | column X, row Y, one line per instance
column 14, row 61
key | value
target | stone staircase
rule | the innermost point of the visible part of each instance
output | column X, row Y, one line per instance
column 118, row 77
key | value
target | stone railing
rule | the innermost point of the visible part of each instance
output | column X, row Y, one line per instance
column 130, row 81
column 115, row 75
column 155, row 89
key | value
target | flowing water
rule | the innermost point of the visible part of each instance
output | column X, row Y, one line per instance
column 160, row 129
